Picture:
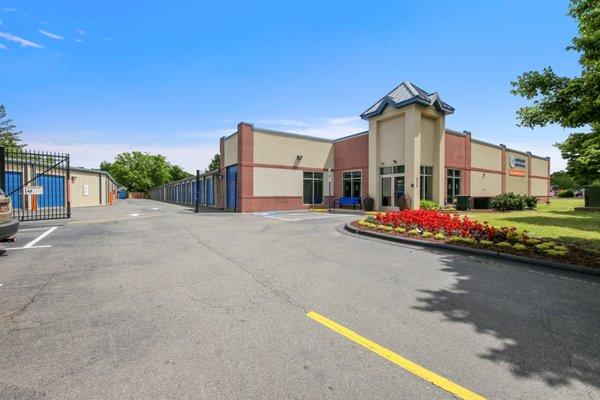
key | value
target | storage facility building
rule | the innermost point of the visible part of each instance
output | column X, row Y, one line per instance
column 406, row 155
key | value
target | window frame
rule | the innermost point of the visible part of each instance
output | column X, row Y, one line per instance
column 453, row 178
column 352, row 179
column 423, row 174
column 313, row 180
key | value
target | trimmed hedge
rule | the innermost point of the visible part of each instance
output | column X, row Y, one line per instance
column 513, row 202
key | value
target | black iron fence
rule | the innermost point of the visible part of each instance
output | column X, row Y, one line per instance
column 38, row 183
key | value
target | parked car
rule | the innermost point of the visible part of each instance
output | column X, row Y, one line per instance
column 8, row 225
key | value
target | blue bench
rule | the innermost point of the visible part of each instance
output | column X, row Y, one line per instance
column 347, row 201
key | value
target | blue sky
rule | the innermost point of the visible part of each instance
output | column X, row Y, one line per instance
column 97, row 78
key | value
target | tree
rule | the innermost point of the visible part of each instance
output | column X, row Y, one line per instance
column 9, row 137
column 140, row 172
column 561, row 180
column 215, row 163
column 177, row 173
column 571, row 102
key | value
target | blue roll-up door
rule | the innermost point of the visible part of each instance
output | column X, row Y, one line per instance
column 231, row 186
column 202, row 196
column 209, row 192
column 54, row 191
column 13, row 181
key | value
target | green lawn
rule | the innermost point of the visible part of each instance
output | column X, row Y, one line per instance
column 557, row 221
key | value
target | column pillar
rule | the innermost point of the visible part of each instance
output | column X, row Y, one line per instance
column 374, row 189
column 439, row 161
column 412, row 155
column 245, row 181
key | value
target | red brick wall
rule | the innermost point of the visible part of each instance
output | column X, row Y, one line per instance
column 281, row 203
column 350, row 155
column 245, row 183
column 458, row 156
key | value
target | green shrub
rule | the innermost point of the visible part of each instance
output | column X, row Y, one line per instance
column 427, row 234
column 503, row 244
column 531, row 202
column 461, row 239
column 429, row 205
column 486, row 242
column 388, row 228
column 545, row 245
column 566, row 193
column 508, row 201
column 400, row 230
column 555, row 253
column 414, row 232
column 519, row 246
column 440, row 236
column 531, row 241
column 561, row 248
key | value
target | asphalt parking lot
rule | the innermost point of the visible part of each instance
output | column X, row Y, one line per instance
column 147, row 300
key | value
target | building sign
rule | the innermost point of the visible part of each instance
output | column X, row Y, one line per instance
column 517, row 165
column 34, row 190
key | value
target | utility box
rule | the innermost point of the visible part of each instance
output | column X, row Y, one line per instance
column 463, row 203
column 592, row 196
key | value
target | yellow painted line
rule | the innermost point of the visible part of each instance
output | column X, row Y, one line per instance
column 389, row 355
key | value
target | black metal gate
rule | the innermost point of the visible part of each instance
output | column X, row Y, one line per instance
column 38, row 183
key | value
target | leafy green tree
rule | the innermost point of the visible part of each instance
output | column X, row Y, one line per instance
column 9, row 137
column 571, row 102
column 561, row 180
column 177, row 173
column 140, row 172
column 215, row 163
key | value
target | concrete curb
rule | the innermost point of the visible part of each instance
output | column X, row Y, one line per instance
column 482, row 252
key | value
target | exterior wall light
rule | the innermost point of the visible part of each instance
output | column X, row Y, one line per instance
column 299, row 157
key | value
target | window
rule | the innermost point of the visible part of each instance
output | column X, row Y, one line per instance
column 453, row 184
column 351, row 184
column 426, row 183
column 312, row 188
column 397, row 169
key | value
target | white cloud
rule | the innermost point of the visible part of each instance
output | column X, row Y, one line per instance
column 329, row 128
column 281, row 122
column 90, row 155
column 50, row 35
column 9, row 9
column 3, row 47
column 79, row 40
column 0, row 22
column 21, row 41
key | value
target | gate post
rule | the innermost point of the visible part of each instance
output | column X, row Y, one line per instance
column 2, row 169
column 197, row 200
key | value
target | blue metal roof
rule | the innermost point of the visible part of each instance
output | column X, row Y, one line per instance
column 404, row 94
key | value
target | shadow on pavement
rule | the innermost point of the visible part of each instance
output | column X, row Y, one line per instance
column 550, row 327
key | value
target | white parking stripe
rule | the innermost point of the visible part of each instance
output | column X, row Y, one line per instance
column 37, row 239
column 32, row 247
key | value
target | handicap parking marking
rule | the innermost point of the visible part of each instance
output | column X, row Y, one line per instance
column 32, row 244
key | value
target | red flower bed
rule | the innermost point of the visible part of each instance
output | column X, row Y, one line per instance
column 435, row 221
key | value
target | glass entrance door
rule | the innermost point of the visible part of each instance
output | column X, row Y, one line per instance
column 392, row 192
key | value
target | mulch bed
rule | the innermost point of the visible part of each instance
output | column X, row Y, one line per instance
column 575, row 256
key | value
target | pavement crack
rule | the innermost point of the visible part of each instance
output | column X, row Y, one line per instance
column 24, row 308
column 277, row 292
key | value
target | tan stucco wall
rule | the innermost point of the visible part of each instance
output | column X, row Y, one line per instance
column 77, row 189
column 390, row 141
column 486, row 157
column 275, row 149
column 231, row 150
column 427, row 141
column 539, row 167
column 539, row 187
column 282, row 182
column 485, row 184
